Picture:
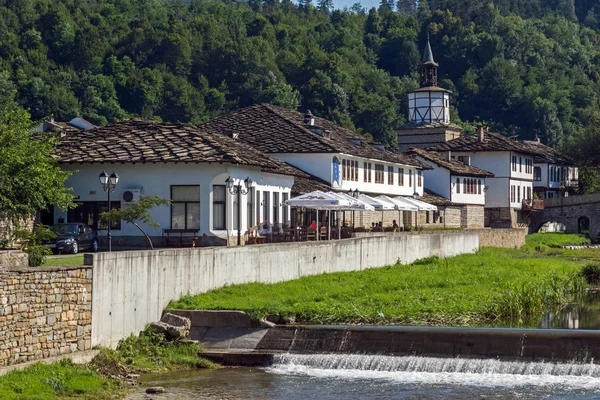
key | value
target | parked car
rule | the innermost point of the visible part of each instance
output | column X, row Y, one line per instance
column 73, row 237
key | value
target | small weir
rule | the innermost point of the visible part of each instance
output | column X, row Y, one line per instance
column 431, row 371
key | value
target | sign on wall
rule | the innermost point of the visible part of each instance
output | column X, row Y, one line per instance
column 337, row 182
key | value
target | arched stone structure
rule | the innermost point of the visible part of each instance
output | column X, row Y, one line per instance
column 568, row 210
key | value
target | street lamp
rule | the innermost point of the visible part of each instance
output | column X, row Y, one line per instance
column 109, row 184
column 239, row 190
column 354, row 193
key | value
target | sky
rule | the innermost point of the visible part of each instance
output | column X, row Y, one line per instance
column 367, row 4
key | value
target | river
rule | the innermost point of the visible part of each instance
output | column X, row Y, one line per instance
column 328, row 377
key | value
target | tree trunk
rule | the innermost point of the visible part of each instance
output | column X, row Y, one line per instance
column 145, row 234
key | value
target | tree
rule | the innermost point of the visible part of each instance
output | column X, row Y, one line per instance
column 30, row 178
column 138, row 213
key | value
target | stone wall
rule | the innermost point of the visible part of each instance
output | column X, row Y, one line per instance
column 472, row 216
column 13, row 259
column 44, row 312
column 507, row 238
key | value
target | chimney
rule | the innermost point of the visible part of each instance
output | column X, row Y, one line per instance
column 537, row 139
column 309, row 119
column 448, row 155
column 480, row 133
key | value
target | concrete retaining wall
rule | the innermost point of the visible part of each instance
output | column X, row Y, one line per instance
column 507, row 238
column 44, row 312
column 507, row 344
column 132, row 288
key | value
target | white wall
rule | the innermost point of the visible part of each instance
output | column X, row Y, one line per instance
column 544, row 175
column 437, row 179
column 157, row 179
column 131, row 289
column 498, row 193
column 315, row 164
column 464, row 198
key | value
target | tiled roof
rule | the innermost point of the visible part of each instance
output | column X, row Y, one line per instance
column 491, row 142
column 138, row 141
column 274, row 129
column 454, row 166
column 429, row 125
column 435, row 199
column 309, row 184
column 545, row 153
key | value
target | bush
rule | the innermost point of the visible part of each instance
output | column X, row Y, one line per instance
column 37, row 254
column 591, row 273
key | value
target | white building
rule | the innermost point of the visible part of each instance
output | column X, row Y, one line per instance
column 179, row 162
column 464, row 186
column 341, row 158
column 554, row 175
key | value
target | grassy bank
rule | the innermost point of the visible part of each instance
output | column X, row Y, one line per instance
column 103, row 377
column 494, row 284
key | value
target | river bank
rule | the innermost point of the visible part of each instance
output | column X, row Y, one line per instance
column 112, row 374
column 494, row 286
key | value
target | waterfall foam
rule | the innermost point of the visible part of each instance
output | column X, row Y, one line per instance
column 461, row 371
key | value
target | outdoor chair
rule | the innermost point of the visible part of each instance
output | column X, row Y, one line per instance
column 311, row 234
column 323, row 235
column 254, row 237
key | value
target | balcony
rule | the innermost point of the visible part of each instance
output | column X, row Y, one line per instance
column 533, row 204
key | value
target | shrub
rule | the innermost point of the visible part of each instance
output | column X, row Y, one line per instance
column 591, row 273
column 37, row 254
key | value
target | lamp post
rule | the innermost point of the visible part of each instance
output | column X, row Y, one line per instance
column 354, row 194
column 109, row 184
column 416, row 196
column 239, row 190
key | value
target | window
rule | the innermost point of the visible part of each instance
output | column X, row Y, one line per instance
column 89, row 213
column 344, row 171
column 369, row 168
column 518, row 194
column 410, row 177
column 479, row 186
column 379, row 172
column 520, row 164
column 266, row 200
column 464, row 159
column 426, row 217
column 512, row 193
column 400, row 176
column 365, row 170
column 185, row 207
column 390, row 175
column 528, row 193
column 249, row 208
column 219, row 207
column 420, row 182
column 285, row 209
column 537, row 174
column 275, row 207
column 458, row 185
column 257, row 216
column 355, row 171
column 514, row 163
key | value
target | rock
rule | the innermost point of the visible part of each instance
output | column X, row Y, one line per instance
column 176, row 320
column 274, row 318
column 132, row 376
column 290, row 319
column 155, row 390
column 159, row 327
column 177, row 332
column 266, row 324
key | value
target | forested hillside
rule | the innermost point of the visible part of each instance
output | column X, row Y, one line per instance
column 527, row 67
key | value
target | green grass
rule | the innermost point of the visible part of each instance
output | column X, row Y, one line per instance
column 150, row 352
column 471, row 289
column 63, row 380
column 554, row 240
column 74, row 259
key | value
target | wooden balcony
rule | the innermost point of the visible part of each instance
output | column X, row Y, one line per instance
column 533, row 204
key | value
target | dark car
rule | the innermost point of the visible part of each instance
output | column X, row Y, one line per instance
column 73, row 237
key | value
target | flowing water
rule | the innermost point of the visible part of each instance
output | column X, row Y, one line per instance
column 328, row 377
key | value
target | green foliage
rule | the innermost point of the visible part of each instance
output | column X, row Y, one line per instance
column 539, row 242
column 591, row 273
column 502, row 286
column 137, row 213
column 150, row 352
column 536, row 61
column 31, row 243
column 74, row 259
column 30, row 179
column 56, row 381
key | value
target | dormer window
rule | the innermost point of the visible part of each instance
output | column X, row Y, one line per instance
column 355, row 142
column 379, row 147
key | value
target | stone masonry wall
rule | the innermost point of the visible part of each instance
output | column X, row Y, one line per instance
column 507, row 238
column 44, row 312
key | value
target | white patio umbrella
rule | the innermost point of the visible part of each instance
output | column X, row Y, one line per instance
column 378, row 204
column 400, row 205
column 320, row 201
column 420, row 204
column 357, row 205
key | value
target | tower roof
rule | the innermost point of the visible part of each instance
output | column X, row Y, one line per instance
column 427, row 53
